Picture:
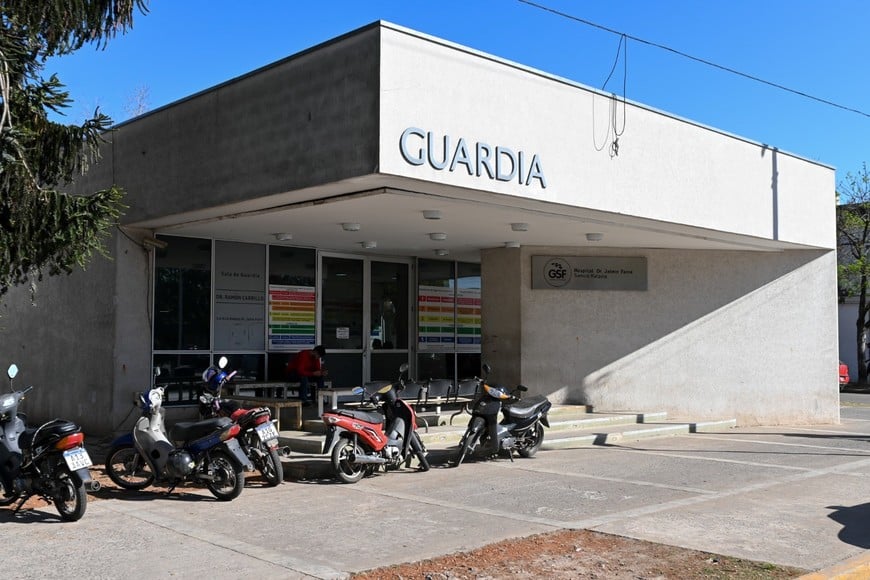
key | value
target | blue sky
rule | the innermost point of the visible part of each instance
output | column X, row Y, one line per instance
column 819, row 48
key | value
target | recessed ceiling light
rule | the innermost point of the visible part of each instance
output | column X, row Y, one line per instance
column 520, row 227
column 438, row 236
column 283, row 237
column 594, row 237
column 350, row 227
column 442, row 252
column 432, row 214
column 511, row 244
column 369, row 245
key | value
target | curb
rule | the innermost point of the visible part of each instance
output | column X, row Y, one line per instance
column 856, row 568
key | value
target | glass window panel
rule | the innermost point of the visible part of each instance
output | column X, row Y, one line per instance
column 468, row 365
column 248, row 367
column 389, row 307
column 239, row 296
column 292, row 311
column 385, row 365
column 468, row 334
column 342, row 303
column 182, row 294
column 181, row 376
column 435, row 365
column 345, row 370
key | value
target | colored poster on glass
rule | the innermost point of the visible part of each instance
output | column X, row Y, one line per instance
column 292, row 312
column 436, row 318
column 468, row 319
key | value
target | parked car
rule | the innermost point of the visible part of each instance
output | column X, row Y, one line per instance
column 844, row 375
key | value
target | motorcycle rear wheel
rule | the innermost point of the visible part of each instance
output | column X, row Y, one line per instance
column 537, row 439
column 268, row 463
column 345, row 470
column 229, row 480
column 127, row 469
column 71, row 500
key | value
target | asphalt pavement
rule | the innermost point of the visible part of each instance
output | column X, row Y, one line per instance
column 789, row 495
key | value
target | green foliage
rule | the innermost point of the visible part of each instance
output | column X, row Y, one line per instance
column 42, row 229
column 853, row 231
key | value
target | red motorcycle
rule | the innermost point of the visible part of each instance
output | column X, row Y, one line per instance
column 257, row 437
column 360, row 441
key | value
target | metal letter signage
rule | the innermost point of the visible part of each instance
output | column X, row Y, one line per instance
column 588, row 273
column 419, row 147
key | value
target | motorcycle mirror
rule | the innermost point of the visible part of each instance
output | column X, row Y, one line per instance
column 222, row 362
column 522, row 388
column 486, row 369
column 404, row 367
column 156, row 371
column 12, row 371
column 358, row 390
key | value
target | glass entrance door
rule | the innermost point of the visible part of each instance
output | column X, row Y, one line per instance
column 365, row 317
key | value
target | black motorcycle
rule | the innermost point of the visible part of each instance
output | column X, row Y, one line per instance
column 521, row 428
column 48, row 461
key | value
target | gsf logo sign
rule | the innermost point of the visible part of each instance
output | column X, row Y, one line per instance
column 557, row 272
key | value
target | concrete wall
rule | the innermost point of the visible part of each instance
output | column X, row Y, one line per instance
column 710, row 179
column 743, row 335
column 64, row 344
column 306, row 120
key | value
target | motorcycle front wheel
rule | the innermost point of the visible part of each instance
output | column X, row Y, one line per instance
column 70, row 499
column 229, row 480
column 420, row 451
column 268, row 463
column 535, row 441
column 127, row 469
column 346, row 470
column 469, row 442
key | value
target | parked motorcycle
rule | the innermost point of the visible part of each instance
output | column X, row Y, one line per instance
column 258, row 436
column 207, row 452
column 48, row 461
column 521, row 428
column 359, row 441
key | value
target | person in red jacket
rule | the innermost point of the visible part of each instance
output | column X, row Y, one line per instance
column 305, row 367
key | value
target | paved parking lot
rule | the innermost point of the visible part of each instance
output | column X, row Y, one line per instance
column 795, row 496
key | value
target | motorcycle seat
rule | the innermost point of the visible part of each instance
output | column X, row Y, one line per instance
column 187, row 430
column 525, row 408
column 367, row 416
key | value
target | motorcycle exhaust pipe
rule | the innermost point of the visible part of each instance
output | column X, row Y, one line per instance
column 368, row 459
column 93, row 486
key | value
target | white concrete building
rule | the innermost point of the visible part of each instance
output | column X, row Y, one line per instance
column 675, row 268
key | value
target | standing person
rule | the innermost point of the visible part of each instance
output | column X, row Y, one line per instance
column 305, row 367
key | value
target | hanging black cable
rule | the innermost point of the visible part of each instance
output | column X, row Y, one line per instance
column 696, row 59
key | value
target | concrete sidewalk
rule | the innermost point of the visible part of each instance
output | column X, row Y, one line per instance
column 786, row 495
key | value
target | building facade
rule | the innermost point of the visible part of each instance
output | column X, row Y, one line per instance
column 397, row 198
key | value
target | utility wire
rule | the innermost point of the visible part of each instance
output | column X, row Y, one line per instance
column 695, row 58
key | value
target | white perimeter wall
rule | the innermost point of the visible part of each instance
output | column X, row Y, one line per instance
column 744, row 335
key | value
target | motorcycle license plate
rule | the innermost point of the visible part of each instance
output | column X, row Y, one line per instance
column 266, row 432
column 77, row 458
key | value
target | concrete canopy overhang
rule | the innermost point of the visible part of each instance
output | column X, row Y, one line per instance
column 389, row 211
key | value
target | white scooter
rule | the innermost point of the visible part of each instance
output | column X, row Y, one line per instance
column 204, row 452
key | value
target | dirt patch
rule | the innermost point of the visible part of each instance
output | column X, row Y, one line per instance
column 572, row 554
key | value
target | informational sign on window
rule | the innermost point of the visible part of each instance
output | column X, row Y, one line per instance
column 292, row 311
column 468, row 319
column 436, row 318
column 588, row 273
column 239, row 297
